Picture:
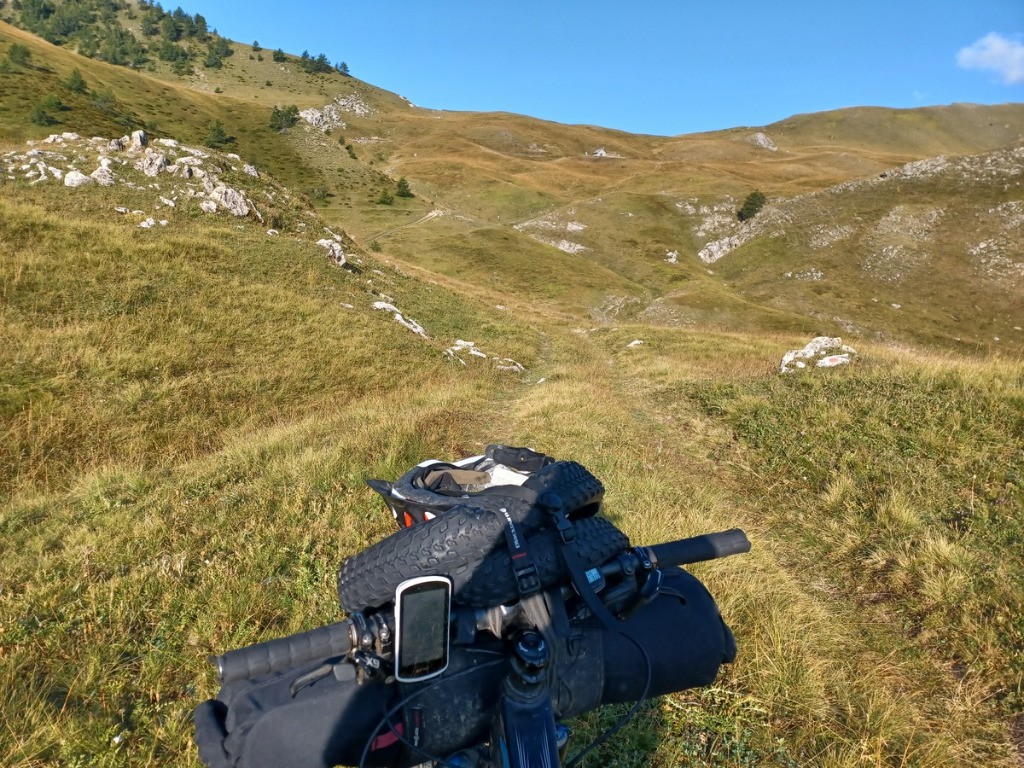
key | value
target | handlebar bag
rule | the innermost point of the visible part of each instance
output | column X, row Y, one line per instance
column 273, row 722
column 278, row 721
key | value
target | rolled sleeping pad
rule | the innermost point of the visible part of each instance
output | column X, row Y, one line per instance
column 268, row 722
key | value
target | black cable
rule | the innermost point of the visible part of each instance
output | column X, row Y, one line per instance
column 386, row 720
column 627, row 717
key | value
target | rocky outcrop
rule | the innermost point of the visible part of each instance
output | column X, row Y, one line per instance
column 132, row 161
column 763, row 141
column 333, row 250
column 407, row 322
column 821, row 351
column 152, row 163
column 231, row 200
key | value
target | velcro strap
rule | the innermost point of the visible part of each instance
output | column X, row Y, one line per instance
column 527, row 577
column 571, row 564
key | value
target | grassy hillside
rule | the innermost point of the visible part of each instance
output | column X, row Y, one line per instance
column 189, row 410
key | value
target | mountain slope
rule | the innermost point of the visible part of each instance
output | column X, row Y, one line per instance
column 189, row 409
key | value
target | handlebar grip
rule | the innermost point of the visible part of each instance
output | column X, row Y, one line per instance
column 283, row 653
column 708, row 546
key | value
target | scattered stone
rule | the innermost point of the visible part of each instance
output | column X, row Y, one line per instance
column 138, row 140
column 634, row 343
column 167, row 201
column 826, row 351
column 152, row 163
column 209, row 206
column 230, row 199
column 251, row 170
column 672, row 257
column 148, row 223
column 76, row 179
column 273, row 232
column 409, row 323
column 333, row 250
column 121, row 209
column 103, row 176
column 508, row 364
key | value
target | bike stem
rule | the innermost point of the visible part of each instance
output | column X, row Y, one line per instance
column 523, row 733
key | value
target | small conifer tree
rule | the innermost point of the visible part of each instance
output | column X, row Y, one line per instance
column 403, row 188
column 19, row 54
column 752, row 205
column 39, row 115
column 75, row 82
column 217, row 137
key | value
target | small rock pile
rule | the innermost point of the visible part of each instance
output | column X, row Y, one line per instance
column 821, row 351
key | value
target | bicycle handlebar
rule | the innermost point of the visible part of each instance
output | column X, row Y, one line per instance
column 284, row 653
column 337, row 639
column 697, row 549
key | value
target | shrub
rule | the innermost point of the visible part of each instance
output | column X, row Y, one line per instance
column 385, row 197
column 104, row 100
column 279, row 56
column 217, row 137
column 751, row 206
column 19, row 54
column 284, row 117
column 75, row 82
column 52, row 102
column 351, row 151
column 39, row 115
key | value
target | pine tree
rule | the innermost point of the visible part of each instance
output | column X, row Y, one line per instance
column 217, row 137
column 752, row 205
column 19, row 54
column 75, row 82
column 403, row 188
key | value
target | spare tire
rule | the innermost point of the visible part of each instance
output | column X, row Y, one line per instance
column 467, row 545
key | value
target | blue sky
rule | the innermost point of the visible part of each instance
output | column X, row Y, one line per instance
column 655, row 67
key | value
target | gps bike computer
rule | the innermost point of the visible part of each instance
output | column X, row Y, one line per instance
column 422, row 627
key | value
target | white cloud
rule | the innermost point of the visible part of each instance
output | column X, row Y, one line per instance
column 997, row 53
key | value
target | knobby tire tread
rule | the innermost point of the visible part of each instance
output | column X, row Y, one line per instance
column 469, row 548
